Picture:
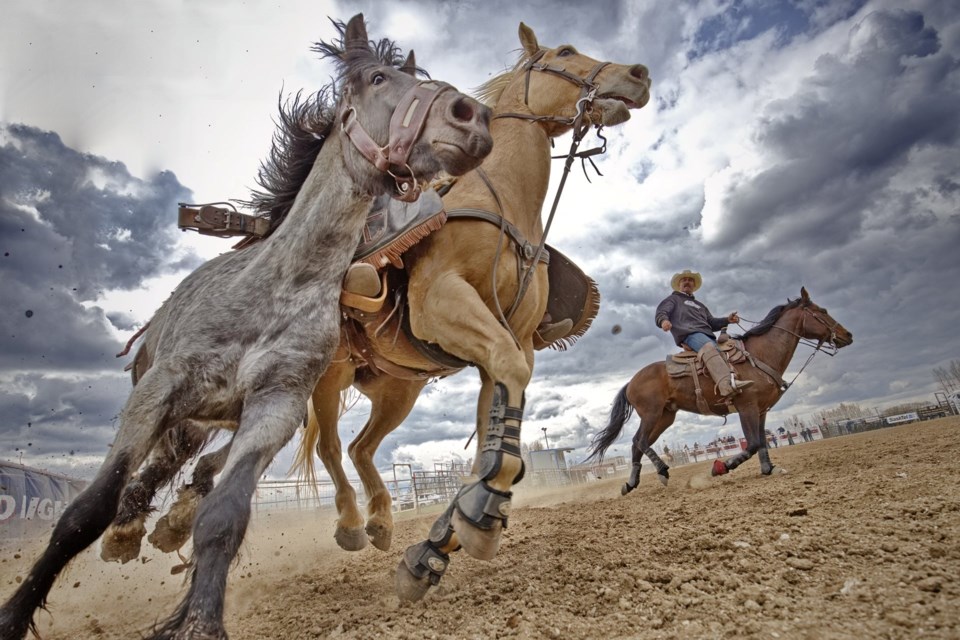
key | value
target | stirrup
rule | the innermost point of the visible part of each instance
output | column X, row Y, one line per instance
column 363, row 288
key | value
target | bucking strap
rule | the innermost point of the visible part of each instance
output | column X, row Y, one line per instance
column 221, row 222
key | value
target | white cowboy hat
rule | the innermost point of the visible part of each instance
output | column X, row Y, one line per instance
column 686, row 273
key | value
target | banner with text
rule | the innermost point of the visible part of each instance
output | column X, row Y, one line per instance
column 31, row 500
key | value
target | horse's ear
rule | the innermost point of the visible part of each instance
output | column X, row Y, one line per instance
column 528, row 39
column 356, row 33
column 804, row 295
column 410, row 65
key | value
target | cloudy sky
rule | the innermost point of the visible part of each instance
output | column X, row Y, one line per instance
column 808, row 143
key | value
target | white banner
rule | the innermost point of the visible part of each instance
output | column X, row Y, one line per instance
column 31, row 500
column 903, row 417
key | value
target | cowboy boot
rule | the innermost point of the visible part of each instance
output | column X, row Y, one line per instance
column 718, row 369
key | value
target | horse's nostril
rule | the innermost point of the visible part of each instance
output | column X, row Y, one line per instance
column 463, row 110
column 640, row 72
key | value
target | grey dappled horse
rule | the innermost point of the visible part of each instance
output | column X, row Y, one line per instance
column 244, row 338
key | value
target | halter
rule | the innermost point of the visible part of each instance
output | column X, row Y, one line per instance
column 406, row 125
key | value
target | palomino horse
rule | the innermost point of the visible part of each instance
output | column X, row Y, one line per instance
column 657, row 396
column 466, row 305
column 221, row 358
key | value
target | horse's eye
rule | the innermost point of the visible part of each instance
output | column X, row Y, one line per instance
column 566, row 51
column 378, row 79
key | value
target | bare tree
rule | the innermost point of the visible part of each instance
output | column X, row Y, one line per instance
column 948, row 377
column 842, row 412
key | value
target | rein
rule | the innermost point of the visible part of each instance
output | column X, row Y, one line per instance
column 588, row 93
column 406, row 125
column 816, row 346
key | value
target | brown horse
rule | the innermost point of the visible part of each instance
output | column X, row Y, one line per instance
column 657, row 396
column 463, row 290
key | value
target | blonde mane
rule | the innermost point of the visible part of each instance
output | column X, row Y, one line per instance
column 490, row 91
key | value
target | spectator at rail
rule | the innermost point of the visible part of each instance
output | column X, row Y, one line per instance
column 692, row 325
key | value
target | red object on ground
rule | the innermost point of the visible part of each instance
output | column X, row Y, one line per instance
column 719, row 468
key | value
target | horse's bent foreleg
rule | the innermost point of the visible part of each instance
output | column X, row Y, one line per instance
column 121, row 540
column 173, row 529
column 450, row 312
column 477, row 515
column 391, row 400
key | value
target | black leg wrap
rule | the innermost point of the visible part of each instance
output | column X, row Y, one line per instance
column 425, row 560
column 493, row 448
column 482, row 505
column 442, row 529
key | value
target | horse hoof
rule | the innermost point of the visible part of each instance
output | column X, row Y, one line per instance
column 625, row 489
column 350, row 539
column 380, row 535
column 481, row 544
column 664, row 480
column 778, row 471
column 719, row 468
column 166, row 537
column 121, row 543
column 409, row 587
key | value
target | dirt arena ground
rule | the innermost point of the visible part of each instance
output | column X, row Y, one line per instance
column 860, row 539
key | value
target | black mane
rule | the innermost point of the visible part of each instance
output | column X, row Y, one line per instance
column 305, row 123
column 767, row 323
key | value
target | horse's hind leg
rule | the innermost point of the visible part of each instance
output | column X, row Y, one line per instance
column 663, row 469
column 349, row 533
column 392, row 400
column 268, row 423
column 92, row 511
column 645, row 436
column 121, row 540
column 173, row 529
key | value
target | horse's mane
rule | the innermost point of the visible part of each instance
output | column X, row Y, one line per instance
column 767, row 323
column 490, row 91
column 305, row 123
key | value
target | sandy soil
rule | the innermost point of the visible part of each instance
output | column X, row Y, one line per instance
column 861, row 539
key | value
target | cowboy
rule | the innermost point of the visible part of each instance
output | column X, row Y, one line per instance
column 692, row 325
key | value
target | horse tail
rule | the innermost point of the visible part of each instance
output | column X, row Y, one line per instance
column 619, row 414
column 303, row 461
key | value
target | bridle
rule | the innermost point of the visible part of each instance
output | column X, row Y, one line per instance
column 832, row 328
column 818, row 347
column 406, row 125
